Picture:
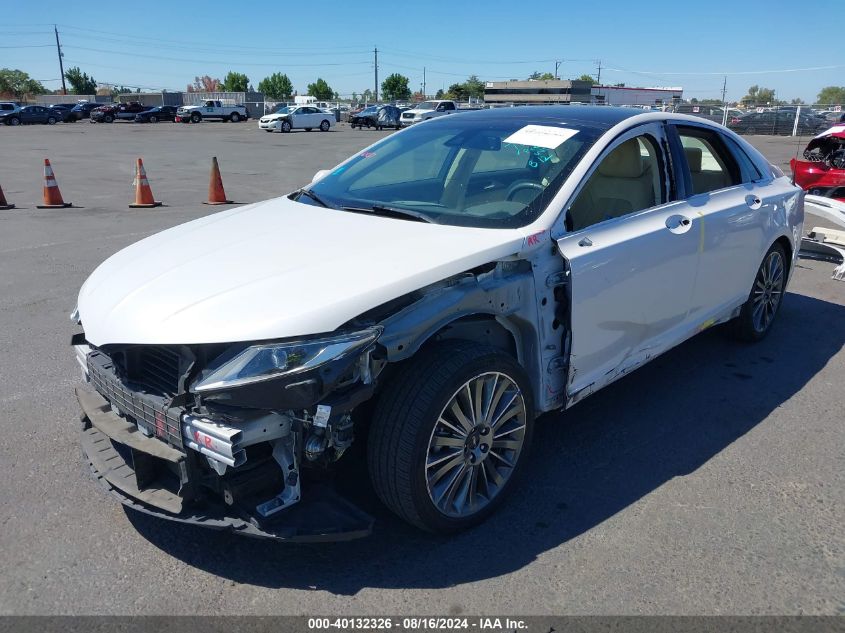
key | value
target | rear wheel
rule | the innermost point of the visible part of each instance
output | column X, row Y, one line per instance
column 324, row 126
column 759, row 311
column 450, row 435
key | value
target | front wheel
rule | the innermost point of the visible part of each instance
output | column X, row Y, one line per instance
column 153, row 119
column 450, row 434
column 196, row 117
column 51, row 120
column 286, row 126
column 235, row 117
column 759, row 311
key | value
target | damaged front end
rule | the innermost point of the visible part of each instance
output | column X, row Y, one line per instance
column 225, row 436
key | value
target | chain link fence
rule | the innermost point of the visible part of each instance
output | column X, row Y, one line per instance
column 779, row 120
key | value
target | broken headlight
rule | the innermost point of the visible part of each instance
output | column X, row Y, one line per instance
column 273, row 360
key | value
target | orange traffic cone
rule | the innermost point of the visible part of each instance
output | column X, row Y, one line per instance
column 143, row 194
column 52, row 195
column 3, row 204
column 216, row 194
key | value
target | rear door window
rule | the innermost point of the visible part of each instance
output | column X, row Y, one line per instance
column 711, row 165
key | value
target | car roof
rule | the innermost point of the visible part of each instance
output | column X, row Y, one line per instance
column 599, row 116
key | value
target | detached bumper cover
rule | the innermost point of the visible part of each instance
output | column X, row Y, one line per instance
column 113, row 447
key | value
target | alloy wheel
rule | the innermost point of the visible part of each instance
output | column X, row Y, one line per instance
column 768, row 291
column 475, row 444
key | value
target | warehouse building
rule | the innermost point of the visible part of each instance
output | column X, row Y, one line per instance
column 552, row 91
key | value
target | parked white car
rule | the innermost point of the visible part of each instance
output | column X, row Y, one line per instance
column 437, row 291
column 305, row 118
column 212, row 109
column 428, row 110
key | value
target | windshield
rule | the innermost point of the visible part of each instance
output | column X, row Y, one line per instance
column 497, row 173
column 282, row 110
column 425, row 105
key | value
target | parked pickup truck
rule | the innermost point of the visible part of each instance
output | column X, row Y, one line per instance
column 211, row 110
column 428, row 110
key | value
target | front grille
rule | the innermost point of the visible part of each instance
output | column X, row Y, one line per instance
column 149, row 411
column 155, row 367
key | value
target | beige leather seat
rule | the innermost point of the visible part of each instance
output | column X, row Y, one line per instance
column 703, row 180
column 620, row 185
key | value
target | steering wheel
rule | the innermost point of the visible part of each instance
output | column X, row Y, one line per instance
column 522, row 184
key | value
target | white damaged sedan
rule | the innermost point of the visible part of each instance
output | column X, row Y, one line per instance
column 434, row 293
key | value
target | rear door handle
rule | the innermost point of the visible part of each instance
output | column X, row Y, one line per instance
column 753, row 201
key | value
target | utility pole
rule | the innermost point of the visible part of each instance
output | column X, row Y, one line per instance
column 557, row 65
column 61, row 65
column 598, row 77
column 423, row 83
column 724, row 105
column 375, row 51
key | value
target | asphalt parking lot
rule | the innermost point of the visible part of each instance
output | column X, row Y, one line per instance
column 711, row 481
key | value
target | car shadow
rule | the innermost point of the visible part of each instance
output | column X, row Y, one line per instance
column 663, row 421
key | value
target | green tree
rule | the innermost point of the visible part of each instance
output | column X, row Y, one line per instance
column 395, row 88
column 367, row 96
column 235, row 82
column 80, row 82
column 276, row 87
column 320, row 90
column 541, row 76
column 19, row 83
column 440, row 94
column 474, row 87
column 798, row 101
column 756, row 95
column 587, row 78
column 457, row 92
column 832, row 95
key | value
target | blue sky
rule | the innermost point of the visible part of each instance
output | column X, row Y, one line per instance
column 158, row 45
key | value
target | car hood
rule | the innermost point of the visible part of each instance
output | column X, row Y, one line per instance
column 274, row 117
column 274, row 269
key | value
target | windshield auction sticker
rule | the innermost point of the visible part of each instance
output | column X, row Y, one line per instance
column 541, row 136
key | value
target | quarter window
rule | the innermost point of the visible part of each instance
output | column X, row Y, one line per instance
column 711, row 165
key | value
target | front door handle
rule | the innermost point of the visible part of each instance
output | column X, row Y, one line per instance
column 678, row 223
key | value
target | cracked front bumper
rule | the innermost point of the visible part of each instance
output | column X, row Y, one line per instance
column 149, row 476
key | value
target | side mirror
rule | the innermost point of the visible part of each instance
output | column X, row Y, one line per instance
column 321, row 174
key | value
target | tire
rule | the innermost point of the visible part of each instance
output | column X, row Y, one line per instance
column 51, row 120
column 196, row 117
column 153, row 119
column 759, row 311
column 285, row 127
column 235, row 117
column 14, row 121
column 108, row 118
column 408, row 432
column 325, row 126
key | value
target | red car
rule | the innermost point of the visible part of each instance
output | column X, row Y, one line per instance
column 823, row 171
